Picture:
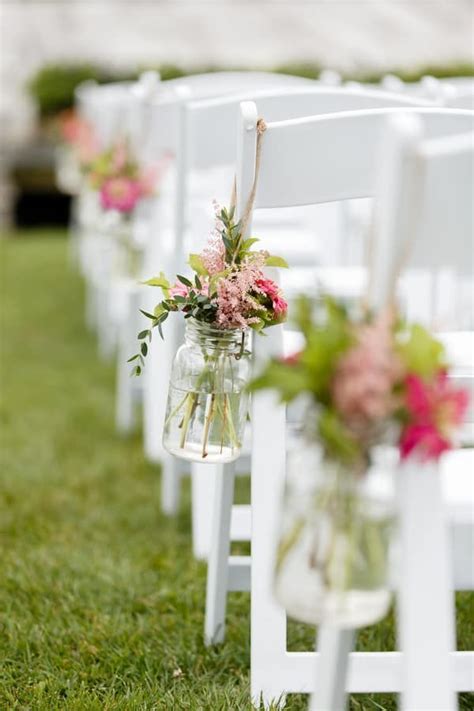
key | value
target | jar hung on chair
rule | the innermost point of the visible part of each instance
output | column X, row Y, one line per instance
column 334, row 552
column 207, row 399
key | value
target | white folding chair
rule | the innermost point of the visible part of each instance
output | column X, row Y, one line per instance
column 344, row 149
column 227, row 573
column 426, row 191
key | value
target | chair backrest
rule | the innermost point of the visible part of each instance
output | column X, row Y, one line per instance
column 424, row 213
column 210, row 125
column 164, row 112
column 207, row 129
column 323, row 158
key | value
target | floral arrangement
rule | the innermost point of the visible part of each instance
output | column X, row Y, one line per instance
column 120, row 181
column 371, row 380
column 228, row 290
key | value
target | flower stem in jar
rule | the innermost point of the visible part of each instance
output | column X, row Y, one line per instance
column 208, row 419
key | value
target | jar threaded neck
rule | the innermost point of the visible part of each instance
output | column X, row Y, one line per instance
column 206, row 335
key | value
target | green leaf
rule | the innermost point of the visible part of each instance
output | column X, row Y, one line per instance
column 143, row 334
column 197, row 265
column 144, row 349
column 272, row 261
column 145, row 313
column 228, row 244
column 197, row 281
column 137, row 355
column 160, row 281
column 289, row 381
column 158, row 310
column 184, row 280
column 422, row 353
column 247, row 243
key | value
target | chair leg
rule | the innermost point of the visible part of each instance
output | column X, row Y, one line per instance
column 268, row 619
column 334, row 646
column 203, row 485
column 124, row 399
column 426, row 611
column 106, row 330
column 126, row 385
column 91, row 305
column 170, row 485
column 156, row 378
column 218, row 564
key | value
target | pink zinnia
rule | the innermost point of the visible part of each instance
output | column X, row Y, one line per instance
column 425, row 439
column 120, row 194
column 436, row 408
column 269, row 288
column 437, row 401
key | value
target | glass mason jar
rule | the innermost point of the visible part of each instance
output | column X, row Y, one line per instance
column 207, row 399
column 334, row 557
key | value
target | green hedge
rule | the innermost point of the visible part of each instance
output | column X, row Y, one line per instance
column 52, row 87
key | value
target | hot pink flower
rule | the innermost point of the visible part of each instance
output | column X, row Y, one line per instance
column 436, row 408
column 120, row 194
column 437, row 401
column 270, row 289
column 425, row 439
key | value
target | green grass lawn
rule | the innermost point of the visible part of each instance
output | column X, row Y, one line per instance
column 101, row 602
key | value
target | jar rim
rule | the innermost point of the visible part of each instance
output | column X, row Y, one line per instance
column 213, row 336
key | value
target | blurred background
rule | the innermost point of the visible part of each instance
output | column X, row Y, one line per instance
column 48, row 47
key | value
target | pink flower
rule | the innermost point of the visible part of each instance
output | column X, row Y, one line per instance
column 213, row 254
column 292, row 359
column 80, row 134
column 435, row 409
column 180, row 289
column 437, row 401
column 363, row 383
column 120, row 194
column 270, row 289
column 425, row 439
